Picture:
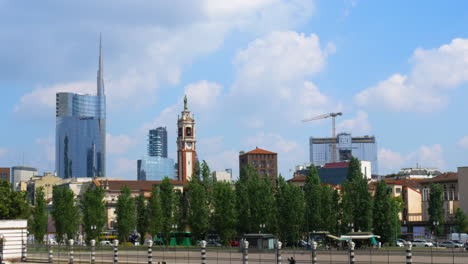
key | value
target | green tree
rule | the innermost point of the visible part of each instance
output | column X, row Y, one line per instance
column 356, row 202
column 142, row 216
column 126, row 214
column 155, row 214
column 382, row 212
column 198, row 211
column 436, row 208
column 328, row 209
column 291, row 209
column 312, row 195
column 255, row 202
column 93, row 209
column 39, row 215
column 65, row 212
column 168, row 207
column 461, row 222
column 13, row 205
column 224, row 217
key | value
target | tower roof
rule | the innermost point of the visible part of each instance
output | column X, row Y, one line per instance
column 259, row 151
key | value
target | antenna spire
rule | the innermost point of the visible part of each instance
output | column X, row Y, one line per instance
column 100, row 78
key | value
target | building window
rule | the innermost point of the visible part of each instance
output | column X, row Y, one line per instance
column 270, row 172
column 263, row 172
column 263, row 164
column 398, row 190
column 188, row 131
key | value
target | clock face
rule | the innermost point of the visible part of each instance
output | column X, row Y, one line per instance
column 189, row 145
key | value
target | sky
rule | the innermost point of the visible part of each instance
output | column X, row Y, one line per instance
column 251, row 69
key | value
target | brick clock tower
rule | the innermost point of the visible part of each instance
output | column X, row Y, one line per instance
column 186, row 145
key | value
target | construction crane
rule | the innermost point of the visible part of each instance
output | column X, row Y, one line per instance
column 333, row 116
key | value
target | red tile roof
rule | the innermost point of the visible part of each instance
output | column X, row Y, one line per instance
column 259, row 151
column 444, row 177
column 337, row 165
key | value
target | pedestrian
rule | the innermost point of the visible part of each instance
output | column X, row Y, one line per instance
column 292, row 260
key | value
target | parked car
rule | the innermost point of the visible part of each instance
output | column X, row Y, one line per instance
column 213, row 244
column 422, row 243
column 400, row 242
column 234, row 243
column 451, row 244
column 105, row 243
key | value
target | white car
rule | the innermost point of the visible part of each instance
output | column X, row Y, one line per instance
column 422, row 243
column 400, row 242
column 105, row 243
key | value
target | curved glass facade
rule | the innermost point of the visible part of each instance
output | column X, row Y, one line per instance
column 156, row 168
column 80, row 135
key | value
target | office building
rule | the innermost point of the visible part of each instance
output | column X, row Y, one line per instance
column 222, row 176
column 21, row 174
column 363, row 148
column 265, row 162
column 155, row 168
column 80, row 139
column 5, row 174
column 157, row 142
column 156, row 165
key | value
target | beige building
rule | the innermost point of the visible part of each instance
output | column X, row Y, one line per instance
column 463, row 185
column 47, row 181
column 449, row 183
column 112, row 189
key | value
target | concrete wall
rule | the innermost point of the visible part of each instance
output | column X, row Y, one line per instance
column 462, row 188
column 14, row 233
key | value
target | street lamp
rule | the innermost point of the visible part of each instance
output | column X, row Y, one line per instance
column 174, row 227
column 436, row 229
column 93, row 231
column 351, row 225
column 262, row 226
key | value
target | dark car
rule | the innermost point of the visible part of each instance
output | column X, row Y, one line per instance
column 213, row 244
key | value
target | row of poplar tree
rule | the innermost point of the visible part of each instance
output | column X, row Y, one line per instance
column 250, row 205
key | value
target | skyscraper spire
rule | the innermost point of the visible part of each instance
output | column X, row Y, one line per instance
column 100, row 74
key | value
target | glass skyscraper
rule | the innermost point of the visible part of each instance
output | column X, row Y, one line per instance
column 156, row 165
column 157, row 142
column 80, row 139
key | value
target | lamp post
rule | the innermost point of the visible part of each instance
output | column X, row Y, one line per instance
column 436, row 231
column 262, row 227
column 93, row 231
column 351, row 225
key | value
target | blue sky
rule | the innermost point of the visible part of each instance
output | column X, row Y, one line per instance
column 252, row 69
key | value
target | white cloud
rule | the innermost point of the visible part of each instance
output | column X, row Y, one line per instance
column 275, row 68
column 118, row 144
column 424, row 156
column 3, row 152
column 463, row 142
column 44, row 97
column 424, row 89
column 358, row 125
column 203, row 93
column 390, row 160
column 151, row 50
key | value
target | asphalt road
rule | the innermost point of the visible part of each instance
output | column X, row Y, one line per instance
column 226, row 256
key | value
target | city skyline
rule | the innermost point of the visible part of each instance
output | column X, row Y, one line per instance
column 251, row 70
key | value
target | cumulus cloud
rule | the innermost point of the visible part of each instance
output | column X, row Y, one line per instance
column 203, row 93
column 149, row 51
column 3, row 152
column 424, row 89
column 357, row 125
column 426, row 156
column 276, row 68
column 463, row 142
